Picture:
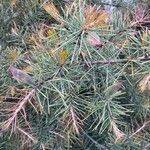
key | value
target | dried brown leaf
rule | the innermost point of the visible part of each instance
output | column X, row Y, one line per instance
column 144, row 84
column 119, row 135
column 94, row 40
column 95, row 18
column 20, row 75
column 50, row 8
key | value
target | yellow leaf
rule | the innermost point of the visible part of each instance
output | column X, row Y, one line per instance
column 122, row 43
column 102, row 18
column 50, row 8
column 95, row 18
column 13, row 54
column 62, row 56
column 45, row 31
column 51, row 33
column 28, row 69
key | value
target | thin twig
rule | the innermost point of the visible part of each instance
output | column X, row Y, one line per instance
column 74, row 120
column 112, row 61
column 19, row 107
column 27, row 134
column 57, row 134
column 141, row 128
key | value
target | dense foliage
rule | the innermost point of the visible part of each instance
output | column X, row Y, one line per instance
column 75, row 74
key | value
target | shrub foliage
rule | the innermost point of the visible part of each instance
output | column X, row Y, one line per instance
column 74, row 75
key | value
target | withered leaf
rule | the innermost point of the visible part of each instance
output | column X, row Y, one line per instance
column 20, row 75
column 94, row 40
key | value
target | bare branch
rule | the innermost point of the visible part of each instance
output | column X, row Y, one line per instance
column 19, row 106
column 75, row 123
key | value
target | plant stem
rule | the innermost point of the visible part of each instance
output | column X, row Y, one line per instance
column 112, row 61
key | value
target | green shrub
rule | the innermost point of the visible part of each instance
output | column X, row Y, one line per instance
column 74, row 75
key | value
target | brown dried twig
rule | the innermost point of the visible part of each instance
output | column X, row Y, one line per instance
column 12, row 120
column 72, row 121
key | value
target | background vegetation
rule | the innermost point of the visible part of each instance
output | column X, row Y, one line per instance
column 75, row 74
